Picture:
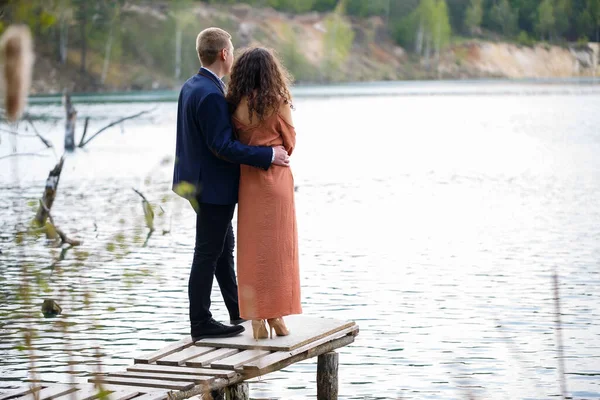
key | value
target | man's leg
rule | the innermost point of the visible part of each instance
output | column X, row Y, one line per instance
column 212, row 224
column 225, row 274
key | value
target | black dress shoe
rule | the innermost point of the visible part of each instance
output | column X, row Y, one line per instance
column 214, row 329
column 238, row 321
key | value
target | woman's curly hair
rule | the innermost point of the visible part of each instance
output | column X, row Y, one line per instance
column 258, row 75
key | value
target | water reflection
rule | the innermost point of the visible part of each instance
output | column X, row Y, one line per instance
column 434, row 222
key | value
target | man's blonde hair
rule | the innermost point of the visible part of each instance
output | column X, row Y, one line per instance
column 209, row 43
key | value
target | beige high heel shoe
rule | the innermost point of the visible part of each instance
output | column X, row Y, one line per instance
column 278, row 325
column 259, row 329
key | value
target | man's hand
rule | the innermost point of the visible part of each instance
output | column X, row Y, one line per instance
column 281, row 157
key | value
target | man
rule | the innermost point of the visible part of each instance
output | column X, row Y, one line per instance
column 207, row 173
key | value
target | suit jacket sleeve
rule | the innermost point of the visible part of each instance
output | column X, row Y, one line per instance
column 215, row 122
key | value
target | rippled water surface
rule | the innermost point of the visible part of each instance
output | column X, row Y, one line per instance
column 435, row 222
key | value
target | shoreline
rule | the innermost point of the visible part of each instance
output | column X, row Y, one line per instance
column 481, row 87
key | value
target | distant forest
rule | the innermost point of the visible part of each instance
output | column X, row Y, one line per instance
column 148, row 36
column 551, row 20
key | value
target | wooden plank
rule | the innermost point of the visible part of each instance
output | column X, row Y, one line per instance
column 279, row 356
column 180, row 357
column 19, row 392
column 239, row 359
column 209, row 358
column 146, row 383
column 240, row 377
column 304, row 330
column 120, row 388
column 90, row 392
column 50, row 392
column 165, row 377
column 163, row 369
column 158, row 395
column 324, row 348
column 152, row 357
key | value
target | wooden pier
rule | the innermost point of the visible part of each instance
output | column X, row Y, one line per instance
column 213, row 368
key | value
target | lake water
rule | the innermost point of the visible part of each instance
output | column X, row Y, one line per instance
column 434, row 219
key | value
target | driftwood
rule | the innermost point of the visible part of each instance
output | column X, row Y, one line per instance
column 49, row 194
column 70, row 123
column 82, row 143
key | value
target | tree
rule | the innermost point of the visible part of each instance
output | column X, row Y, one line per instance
column 114, row 10
column 504, row 18
column 546, row 21
column 474, row 16
column 585, row 24
column 562, row 14
column 338, row 39
column 593, row 7
column 180, row 13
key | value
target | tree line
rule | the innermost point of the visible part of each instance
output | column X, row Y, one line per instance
column 103, row 33
column 552, row 20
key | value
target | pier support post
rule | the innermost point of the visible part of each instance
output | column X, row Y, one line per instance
column 327, row 376
column 240, row 391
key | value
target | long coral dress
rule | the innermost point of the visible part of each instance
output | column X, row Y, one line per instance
column 267, row 235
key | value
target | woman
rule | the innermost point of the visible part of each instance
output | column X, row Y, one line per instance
column 267, row 248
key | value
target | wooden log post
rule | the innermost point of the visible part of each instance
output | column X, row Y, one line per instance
column 70, row 123
column 327, row 376
column 240, row 391
column 49, row 193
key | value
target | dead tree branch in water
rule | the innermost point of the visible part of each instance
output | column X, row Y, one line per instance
column 85, row 127
column 148, row 215
column 70, row 123
column 23, row 154
column 63, row 238
column 83, row 143
column 49, row 193
column 46, row 142
column 15, row 133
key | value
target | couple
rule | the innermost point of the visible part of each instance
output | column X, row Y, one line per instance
column 233, row 146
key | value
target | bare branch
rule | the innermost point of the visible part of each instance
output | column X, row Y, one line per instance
column 148, row 213
column 113, row 124
column 45, row 141
column 23, row 154
column 81, row 142
column 63, row 238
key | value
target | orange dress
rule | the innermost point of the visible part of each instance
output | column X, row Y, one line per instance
column 267, row 236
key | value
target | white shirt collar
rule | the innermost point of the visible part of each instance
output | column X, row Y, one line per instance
column 212, row 73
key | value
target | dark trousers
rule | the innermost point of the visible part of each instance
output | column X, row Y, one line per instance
column 213, row 256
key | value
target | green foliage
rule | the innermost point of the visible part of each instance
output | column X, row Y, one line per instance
column 583, row 42
column 525, row 40
column 339, row 37
column 504, row 18
column 474, row 16
column 363, row 8
column 292, row 57
column 562, row 15
column 295, row 6
column 546, row 21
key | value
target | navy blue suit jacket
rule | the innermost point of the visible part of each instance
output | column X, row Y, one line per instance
column 207, row 154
